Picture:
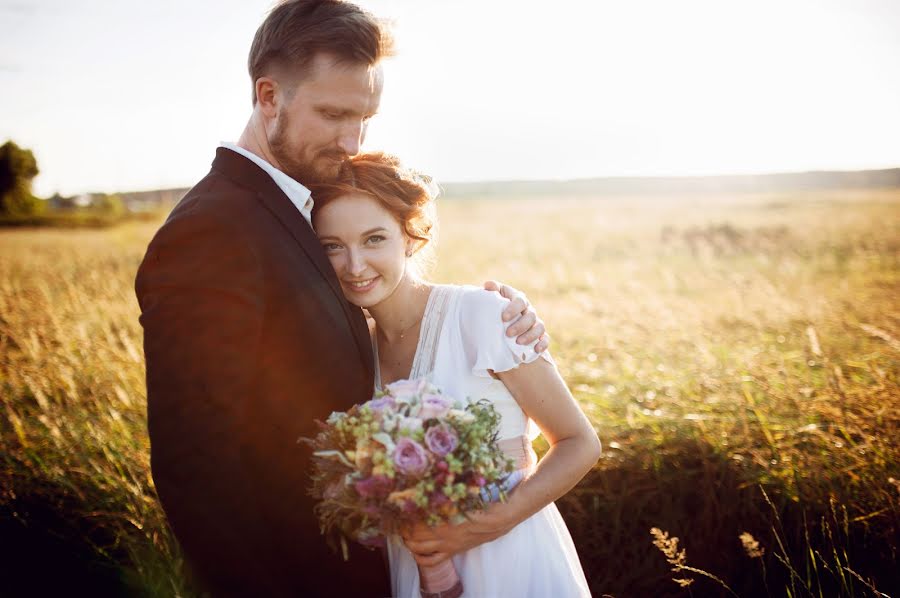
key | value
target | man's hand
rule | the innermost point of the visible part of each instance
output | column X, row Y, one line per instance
column 433, row 545
column 529, row 327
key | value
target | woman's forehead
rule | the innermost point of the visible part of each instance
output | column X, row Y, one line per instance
column 355, row 212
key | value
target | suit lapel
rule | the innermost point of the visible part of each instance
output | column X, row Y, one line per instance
column 244, row 172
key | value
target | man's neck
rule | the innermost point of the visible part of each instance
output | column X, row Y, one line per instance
column 254, row 140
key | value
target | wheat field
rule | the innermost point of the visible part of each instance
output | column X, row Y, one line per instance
column 738, row 356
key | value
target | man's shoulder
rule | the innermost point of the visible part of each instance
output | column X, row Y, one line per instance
column 214, row 204
column 214, row 196
column 214, row 191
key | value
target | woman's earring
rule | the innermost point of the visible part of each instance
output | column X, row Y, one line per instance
column 409, row 253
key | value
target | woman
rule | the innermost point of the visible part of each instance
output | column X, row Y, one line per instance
column 373, row 223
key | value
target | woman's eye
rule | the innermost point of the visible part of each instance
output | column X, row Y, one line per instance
column 374, row 239
column 331, row 115
column 331, row 246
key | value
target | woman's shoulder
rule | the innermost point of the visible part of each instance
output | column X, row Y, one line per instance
column 477, row 306
column 482, row 332
column 475, row 312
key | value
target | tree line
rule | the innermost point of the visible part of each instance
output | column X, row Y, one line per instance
column 20, row 207
column 18, row 168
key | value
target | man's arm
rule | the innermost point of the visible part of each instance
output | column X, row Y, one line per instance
column 200, row 291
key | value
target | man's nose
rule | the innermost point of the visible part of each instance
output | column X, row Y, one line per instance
column 351, row 138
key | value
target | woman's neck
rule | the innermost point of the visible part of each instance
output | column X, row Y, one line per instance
column 402, row 310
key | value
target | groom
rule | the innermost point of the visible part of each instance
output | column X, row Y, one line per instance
column 247, row 336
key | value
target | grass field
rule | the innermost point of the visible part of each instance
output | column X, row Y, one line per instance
column 738, row 356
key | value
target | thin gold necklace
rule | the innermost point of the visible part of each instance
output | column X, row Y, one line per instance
column 407, row 329
column 419, row 319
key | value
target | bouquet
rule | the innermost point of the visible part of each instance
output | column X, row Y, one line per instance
column 410, row 454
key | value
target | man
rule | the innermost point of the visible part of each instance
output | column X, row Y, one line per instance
column 248, row 338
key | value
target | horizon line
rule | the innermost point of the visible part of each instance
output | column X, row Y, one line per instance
column 618, row 177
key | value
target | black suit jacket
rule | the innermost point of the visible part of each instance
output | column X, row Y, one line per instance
column 248, row 339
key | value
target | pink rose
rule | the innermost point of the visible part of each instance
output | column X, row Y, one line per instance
column 441, row 439
column 438, row 499
column 402, row 389
column 410, row 457
column 375, row 486
column 434, row 406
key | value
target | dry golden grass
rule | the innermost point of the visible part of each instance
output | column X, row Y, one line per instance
column 720, row 345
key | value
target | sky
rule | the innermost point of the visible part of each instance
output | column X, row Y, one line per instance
column 121, row 95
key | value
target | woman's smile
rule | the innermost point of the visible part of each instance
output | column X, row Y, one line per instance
column 362, row 286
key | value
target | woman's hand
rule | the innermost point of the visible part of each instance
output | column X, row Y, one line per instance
column 433, row 545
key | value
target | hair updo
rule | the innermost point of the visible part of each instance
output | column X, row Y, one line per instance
column 408, row 195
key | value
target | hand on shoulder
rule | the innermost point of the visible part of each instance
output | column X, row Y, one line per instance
column 526, row 329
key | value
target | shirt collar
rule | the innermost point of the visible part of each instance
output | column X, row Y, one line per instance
column 299, row 195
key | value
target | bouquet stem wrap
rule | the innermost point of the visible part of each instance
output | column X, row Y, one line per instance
column 440, row 581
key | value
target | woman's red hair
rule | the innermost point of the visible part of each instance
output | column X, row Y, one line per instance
column 406, row 194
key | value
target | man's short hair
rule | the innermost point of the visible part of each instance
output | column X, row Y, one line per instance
column 297, row 30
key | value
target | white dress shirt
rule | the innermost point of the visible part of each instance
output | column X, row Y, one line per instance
column 299, row 195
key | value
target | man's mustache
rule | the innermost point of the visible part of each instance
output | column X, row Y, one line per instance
column 336, row 155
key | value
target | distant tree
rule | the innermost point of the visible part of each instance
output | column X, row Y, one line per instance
column 58, row 202
column 109, row 204
column 17, row 168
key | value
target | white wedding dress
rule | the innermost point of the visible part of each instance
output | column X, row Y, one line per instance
column 461, row 338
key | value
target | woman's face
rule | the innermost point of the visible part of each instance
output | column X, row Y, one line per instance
column 366, row 245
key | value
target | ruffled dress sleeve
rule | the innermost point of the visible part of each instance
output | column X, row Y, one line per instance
column 484, row 337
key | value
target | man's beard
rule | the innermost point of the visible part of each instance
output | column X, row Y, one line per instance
column 303, row 171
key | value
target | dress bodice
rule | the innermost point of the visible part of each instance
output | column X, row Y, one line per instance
column 462, row 340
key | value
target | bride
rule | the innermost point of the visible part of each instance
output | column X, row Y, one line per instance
column 373, row 223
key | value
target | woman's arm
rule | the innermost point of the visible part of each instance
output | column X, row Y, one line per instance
column 574, row 449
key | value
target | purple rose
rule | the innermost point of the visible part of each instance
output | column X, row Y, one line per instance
column 434, row 406
column 410, row 457
column 441, row 439
column 372, row 487
column 385, row 402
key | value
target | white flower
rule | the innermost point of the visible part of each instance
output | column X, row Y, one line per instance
column 389, row 423
column 461, row 415
column 385, row 440
column 410, row 424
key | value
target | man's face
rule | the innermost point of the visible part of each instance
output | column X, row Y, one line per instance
column 323, row 122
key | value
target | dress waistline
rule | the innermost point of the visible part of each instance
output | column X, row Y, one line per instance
column 519, row 450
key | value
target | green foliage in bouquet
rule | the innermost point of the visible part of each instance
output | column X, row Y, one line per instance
column 411, row 454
